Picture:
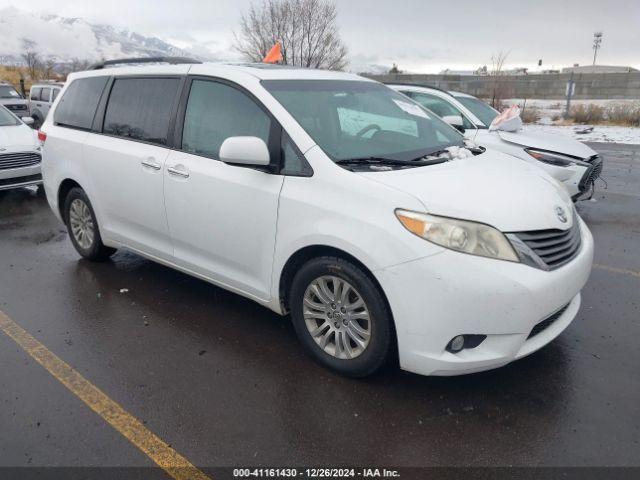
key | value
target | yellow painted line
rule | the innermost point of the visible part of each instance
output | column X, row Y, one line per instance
column 157, row 450
column 622, row 271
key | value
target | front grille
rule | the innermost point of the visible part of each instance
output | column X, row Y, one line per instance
column 16, row 107
column 592, row 173
column 547, row 322
column 551, row 248
column 19, row 160
column 19, row 180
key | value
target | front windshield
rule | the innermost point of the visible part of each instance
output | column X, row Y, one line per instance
column 7, row 91
column 359, row 119
column 7, row 119
column 482, row 110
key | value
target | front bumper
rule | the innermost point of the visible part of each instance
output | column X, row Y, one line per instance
column 18, row 110
column 586, row 184
column 436, row 298
column 20, row 177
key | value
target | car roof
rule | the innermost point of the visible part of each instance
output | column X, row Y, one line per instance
column 48, row 84
column 260, row 71
column 460, row 94
column 413, row 86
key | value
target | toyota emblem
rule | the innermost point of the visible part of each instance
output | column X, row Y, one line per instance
column 561, row 214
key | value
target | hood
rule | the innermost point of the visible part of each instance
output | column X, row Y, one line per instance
column 548, row 141
column 17, row 136
column 490, row 188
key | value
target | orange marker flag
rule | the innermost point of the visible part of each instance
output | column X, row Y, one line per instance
column 274, row 55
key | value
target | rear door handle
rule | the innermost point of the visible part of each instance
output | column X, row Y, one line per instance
column 178, row 171
column 151, row 163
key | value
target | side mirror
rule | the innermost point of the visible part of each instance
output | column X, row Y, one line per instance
column 455, row 121
column 27, row 120
column 245, row 151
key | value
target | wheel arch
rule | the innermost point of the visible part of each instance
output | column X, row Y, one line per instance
column 309, row 252
column 304, row 254
column 63, row 190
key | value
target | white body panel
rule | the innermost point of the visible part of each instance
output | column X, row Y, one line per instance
column 237, row 227
column 127, row 178
column 222, row 220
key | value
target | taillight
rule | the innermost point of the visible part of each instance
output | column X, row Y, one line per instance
column 42, row 136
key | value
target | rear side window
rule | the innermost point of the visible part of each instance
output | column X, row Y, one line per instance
column 215, row 112
column 56, row 91
column 77, row 107
column 35, row 93
column 140, row 108
column 45, row 95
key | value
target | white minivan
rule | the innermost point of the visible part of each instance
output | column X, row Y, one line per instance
column 324, row 195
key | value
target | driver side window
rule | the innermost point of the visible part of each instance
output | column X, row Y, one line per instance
column 439, row 106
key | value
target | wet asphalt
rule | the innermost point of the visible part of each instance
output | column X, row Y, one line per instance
column 225, row 382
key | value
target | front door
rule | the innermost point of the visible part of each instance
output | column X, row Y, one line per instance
column 222, row 218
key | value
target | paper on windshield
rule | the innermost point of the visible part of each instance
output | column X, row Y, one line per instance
column 411, row 108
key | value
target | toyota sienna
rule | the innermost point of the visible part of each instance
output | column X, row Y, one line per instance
column 324, row 195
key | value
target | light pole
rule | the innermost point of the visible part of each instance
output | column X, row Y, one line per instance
column 597, row 40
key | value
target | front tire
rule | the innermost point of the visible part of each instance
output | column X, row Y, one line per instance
column 83, row 226
column 340, row 316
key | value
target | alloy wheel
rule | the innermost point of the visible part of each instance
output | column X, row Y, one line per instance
column 337, row 317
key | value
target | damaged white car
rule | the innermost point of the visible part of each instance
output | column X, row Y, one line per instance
column 569, row 161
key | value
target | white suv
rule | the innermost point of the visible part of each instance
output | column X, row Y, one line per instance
column 325, row 195
column 567, row 160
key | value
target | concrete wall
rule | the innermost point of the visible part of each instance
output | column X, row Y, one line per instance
column 588, row 85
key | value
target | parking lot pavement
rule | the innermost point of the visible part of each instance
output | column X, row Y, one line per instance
column 224, row 381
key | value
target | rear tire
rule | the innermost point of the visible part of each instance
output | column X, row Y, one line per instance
column 83, row 227
column 340, row 316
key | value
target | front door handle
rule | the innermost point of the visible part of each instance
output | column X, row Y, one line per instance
column 179, row 171
column 151, row 163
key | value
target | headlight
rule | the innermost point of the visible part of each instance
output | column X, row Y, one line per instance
column 556, row 159
column 460, row 235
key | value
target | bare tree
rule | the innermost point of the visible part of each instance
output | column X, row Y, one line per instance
column 499, row 84
column 48, row 68
column 32, row 59
column 307, row 30
column 78, row 65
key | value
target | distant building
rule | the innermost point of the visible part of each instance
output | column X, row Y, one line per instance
column 480, row 72
column 516, row 71
column 598, row 69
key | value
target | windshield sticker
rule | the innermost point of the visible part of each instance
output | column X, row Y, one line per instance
column 411, row 109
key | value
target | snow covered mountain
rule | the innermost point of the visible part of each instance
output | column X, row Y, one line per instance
column 66, row 39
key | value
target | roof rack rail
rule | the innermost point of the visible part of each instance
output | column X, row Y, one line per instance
column 433, row 87
column 124, row 61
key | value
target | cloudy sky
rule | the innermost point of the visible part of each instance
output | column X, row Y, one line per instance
column 418, row 35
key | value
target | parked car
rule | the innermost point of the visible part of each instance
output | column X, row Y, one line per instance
column 13, row 100
column 569, row 161
column 325, row 195
column 20, row 155
column 41, row 97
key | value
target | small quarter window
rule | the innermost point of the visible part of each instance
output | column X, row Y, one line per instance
column 78, row 105
column 293, row 163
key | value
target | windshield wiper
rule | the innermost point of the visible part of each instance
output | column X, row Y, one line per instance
column 390, row 161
